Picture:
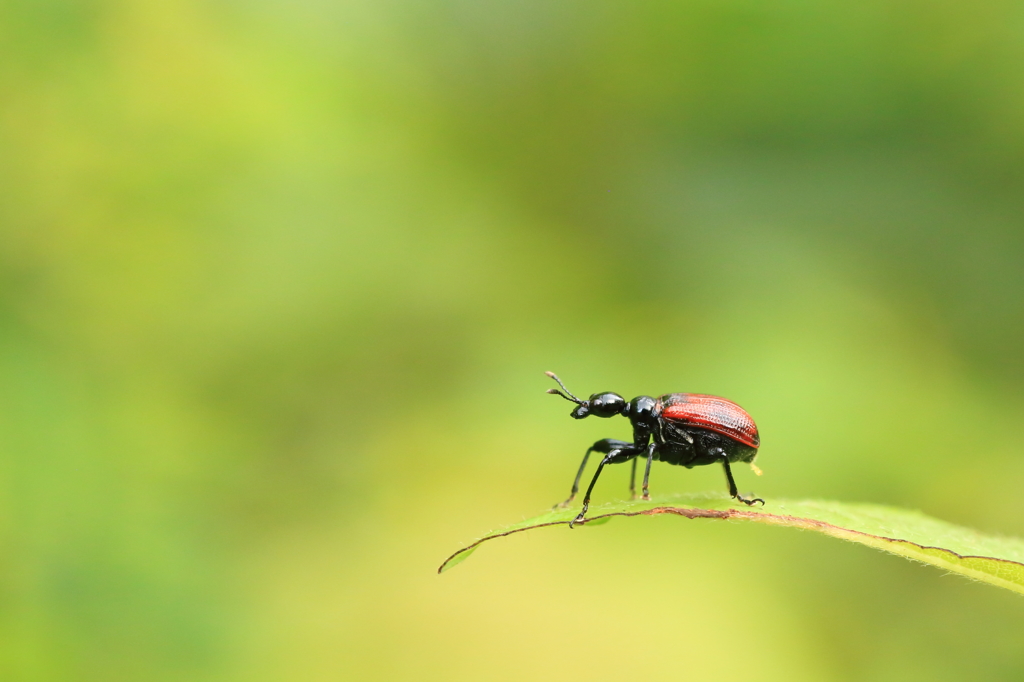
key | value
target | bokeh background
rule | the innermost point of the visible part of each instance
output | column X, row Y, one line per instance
column 279, row 282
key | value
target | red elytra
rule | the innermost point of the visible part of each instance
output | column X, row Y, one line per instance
column 712, row 413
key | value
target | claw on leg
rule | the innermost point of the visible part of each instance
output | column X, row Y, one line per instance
column 583, row 512
column 579, row 517
column 749, row 501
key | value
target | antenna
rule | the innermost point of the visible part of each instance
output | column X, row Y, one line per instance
column 554, row 391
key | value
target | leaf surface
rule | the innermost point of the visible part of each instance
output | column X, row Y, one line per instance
column 991, row 559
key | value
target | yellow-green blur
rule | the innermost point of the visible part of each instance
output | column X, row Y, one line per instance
column 279, row 282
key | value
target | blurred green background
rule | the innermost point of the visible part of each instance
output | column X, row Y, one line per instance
column 279, row 280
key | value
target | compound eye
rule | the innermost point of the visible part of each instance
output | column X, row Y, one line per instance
column 606, row 404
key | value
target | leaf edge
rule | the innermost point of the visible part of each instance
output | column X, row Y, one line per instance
column 963, row 564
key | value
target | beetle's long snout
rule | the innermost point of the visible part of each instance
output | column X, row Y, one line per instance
column 582, row 411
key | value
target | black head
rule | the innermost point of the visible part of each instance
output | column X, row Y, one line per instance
column 599, row 404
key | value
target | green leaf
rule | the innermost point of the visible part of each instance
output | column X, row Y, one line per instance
column 911, row 534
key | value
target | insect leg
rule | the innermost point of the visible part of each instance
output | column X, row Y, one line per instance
column 614, row 457
column 603, row 446
column 632, row 481
column 733, row 492
column 647, row 471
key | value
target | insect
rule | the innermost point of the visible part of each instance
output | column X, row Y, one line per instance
column 689, row 429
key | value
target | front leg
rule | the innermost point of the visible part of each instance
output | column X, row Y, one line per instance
column 604, row 446
column 616, row 456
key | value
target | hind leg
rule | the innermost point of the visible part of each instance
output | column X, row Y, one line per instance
column 733, row 492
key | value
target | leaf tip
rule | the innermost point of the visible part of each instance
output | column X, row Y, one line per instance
column 455, row 559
